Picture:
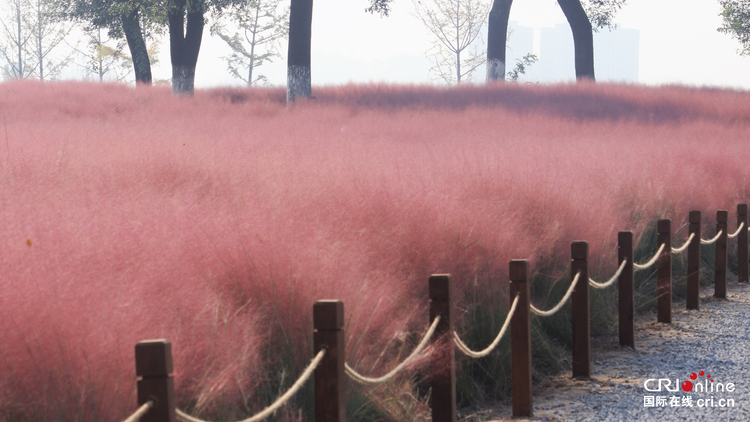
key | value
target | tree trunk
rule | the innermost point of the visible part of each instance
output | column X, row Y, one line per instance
column 39, row 39
column 99, row 55
column 583, row 38
column 20, row 40
column 252, row 46
column 40, row 49
column 458, row 67
column 497, row 36
column 184, row 46
column 458, row 46
column 138, row 51
column 298, row 78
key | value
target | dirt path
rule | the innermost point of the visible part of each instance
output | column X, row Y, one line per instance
column 707, row 338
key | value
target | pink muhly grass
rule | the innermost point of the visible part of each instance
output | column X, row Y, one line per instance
column 217, row 221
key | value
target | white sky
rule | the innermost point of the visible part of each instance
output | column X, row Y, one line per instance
column 678, row 44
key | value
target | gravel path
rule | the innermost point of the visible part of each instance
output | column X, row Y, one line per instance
column 715, row 339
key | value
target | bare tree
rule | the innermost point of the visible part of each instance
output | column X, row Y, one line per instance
column 106, row 60
column 261, row 28
column 456, row 24
column 32, row 29
column 105, row 57
column 17, row 36
column 48, row 33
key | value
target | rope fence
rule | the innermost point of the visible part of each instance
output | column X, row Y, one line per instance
column 422, row 344
column 562, row 302
column 482, row 353
column 712, row 241
column 268, row 411
column 684, row 247
column 737, row 233
column 156, row 397
column 140, row 412
column 652, row 261
column 612, row 280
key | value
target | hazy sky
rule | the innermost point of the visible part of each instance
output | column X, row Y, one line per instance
column 678, row 44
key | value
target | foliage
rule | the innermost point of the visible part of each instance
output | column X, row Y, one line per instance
column 521, row 65
column 106, row 59
column 602, row 12
column 136, row 21
column 190, row 227
column 455, row 24
column 736, row 22
column 262, row 27
column 107, row 14
column 382, row 7
column 103, row 59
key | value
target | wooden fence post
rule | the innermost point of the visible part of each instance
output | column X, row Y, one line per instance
column 579, row 252
column 720, row 289
column 153, row 363
column 443, row 368
column 329, row 377
column 626, row 300
column 664, row 272
column 694, row 262
column 742, row 255
column 520, row 340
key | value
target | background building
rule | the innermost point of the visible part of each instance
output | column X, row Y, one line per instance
column 615, row 53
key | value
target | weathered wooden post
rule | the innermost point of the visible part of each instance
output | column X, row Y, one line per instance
column 153, row 363
column 443, row 368
column 664, row 272
column 579, row 252
column 694, row 261
column 625, row 291
column 520, row 340
column 720, row 289
column 329, row 377
column 742, row 255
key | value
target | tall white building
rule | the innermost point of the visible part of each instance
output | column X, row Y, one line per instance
column 615, row 54
column 520, row 43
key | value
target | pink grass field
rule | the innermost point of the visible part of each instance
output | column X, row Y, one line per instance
column 217, row 221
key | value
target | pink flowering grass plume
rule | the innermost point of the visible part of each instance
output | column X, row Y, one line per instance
column 217, row 221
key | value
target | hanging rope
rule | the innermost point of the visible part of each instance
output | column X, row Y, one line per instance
column 708, row 242
column 559, row 306
column 685, row 246
column 365, row 380
column 733, row 235
column 278, row 403
column 609, row 282
column 464, row 348
column 140, row 412
column 652, row 261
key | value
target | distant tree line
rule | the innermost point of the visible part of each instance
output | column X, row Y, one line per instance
column 31, row 29
column 253, row 29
